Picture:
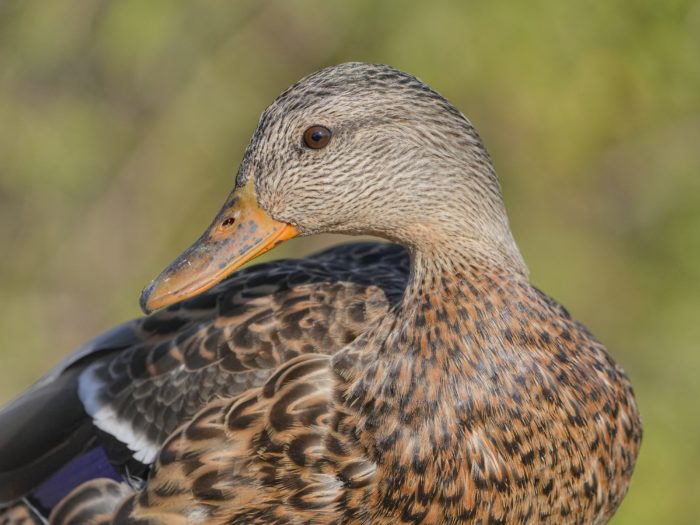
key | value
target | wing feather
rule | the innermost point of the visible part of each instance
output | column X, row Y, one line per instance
column 228, row 462
column 130, row 388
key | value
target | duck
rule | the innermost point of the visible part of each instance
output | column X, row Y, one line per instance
column 419, row 380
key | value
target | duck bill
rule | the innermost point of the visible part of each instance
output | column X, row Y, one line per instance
column 241, row 231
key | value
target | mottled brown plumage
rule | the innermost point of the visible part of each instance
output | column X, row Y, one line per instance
column 152, row 374
column 92, row 503
column 463, row 396
column 233, row 337
column 536, row 424
column 18, row 513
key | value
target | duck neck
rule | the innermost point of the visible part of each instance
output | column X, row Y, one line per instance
column 440, row 276
column 432, row 276
column 434, row 324
column 403, row 383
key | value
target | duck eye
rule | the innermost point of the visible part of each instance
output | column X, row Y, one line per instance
column 317, row 137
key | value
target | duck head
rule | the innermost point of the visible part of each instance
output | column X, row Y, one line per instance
column 355, row 149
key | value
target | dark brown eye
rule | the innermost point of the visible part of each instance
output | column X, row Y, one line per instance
column 317, row 137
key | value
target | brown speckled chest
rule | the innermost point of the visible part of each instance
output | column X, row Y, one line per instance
column 485, row 403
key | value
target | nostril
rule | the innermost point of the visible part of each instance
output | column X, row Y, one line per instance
column 228, row 222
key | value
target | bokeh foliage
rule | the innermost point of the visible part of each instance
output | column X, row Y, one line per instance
column 122, row 123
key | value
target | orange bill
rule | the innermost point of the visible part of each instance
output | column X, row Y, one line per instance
column 240, row 232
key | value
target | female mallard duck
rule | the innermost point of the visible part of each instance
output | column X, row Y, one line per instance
column 364, row 385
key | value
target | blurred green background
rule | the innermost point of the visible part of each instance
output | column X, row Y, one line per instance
column 122, row 125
